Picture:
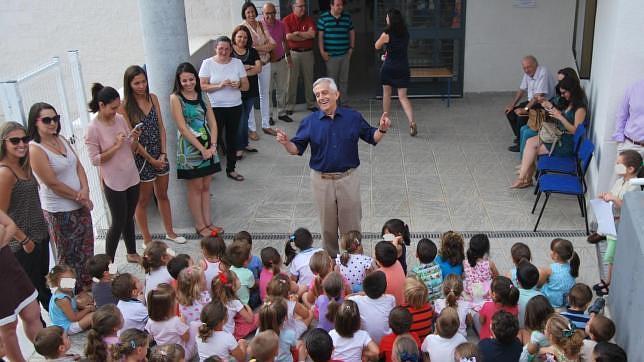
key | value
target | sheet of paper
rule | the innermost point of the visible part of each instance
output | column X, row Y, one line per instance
column 604, row 214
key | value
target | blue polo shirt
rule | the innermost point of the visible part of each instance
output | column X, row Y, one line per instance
column 334, row 141
column 336, row 33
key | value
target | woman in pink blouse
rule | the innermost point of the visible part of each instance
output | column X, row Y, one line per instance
column 111, row 143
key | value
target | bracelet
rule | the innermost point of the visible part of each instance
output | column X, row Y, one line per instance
column 381, row 131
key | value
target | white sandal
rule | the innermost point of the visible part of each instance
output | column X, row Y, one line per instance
column 178, row 239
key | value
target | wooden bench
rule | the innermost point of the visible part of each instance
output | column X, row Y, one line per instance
column 431, row 73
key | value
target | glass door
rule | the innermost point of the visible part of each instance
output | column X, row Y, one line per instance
column 436, row 46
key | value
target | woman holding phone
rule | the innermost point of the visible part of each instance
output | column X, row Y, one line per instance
column 111, row 143
column 141, row 109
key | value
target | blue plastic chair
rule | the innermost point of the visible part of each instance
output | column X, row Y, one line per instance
column 561, row 164
column 559, row 183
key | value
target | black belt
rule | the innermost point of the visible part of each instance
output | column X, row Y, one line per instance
column 634, row 142
column 301, row 50
column 280, row 59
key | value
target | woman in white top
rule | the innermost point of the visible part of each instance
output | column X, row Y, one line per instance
column 223, row 78
column 64, row 191
column 264, row 44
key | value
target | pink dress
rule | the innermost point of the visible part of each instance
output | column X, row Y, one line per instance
column 476, row 281
column 265, row 277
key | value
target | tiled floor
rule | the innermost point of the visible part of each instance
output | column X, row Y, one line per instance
column 454, row 175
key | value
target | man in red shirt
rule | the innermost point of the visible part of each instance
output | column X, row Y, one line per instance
column 300, row 32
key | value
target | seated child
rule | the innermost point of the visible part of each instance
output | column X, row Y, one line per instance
column 298, row 317
column 608, row 352
column 398, row 234
column 299, row 250
column 537, row 312
column 527, row 277
column 171, row 352
column 213, row 340
column 504, row 297
column 427, row 270
column 272, row 265
column 102, row 270
column 64, row 308
column 321, row 265
column 155, row 260
column 238, row 254
column 264, row 347
column 254, row 265
column 272, row 315
column 387, row 262
column 163, row 325
column 213, row 248
column 451, row 255
column 519, row 251
column 478, row 270
column 400, row 322
column 452, row 291
column 129, row 291
column 349, row 341
column 565, row 341
column 101, row 338
column 53, row 343
column 599, row 329
column 176, row 265
column 579, row 298
column 318, row 346
column 418, row 305
column 405, row 349
column 241, row 321
column 352, row 263
column 375, row 306
column 467, row 352
column 504, row 345
column 132, row 346
column 440, row 347
column 557, row 279
column 192, row 293
column 327, row 304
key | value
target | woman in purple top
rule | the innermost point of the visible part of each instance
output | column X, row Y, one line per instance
column 110, row 144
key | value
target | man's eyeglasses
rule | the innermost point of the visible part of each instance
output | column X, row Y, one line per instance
column 48, row 120
column 16, row 140
column 270, row 13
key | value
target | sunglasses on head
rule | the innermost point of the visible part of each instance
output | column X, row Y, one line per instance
column 48, row 120
column 16, row 140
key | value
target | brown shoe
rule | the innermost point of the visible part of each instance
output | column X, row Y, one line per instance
column 594, row 238
column 269, row 131
column 253, row 136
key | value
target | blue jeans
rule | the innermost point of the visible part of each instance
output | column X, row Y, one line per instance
column 242, row 133
column 525, row 133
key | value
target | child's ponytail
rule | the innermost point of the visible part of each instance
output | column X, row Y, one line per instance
column 105, row 321
column 350, row 243
column 452, row 288
column 333, row 286
column 564, row 249
column 479, row 246
column 222, row 287
column 153, row 255
column 505, row 292
column 271, row 259
column 211, row 316
column 564, row 335
column 129, row 341
column 574, row 264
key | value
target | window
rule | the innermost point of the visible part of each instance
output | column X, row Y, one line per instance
column 582, row 40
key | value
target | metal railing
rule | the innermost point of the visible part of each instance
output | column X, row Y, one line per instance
column 52, row 82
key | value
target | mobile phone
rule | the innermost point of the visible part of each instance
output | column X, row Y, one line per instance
column 138, row 125
column 388, row 237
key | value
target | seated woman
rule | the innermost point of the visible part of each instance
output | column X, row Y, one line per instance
column 571, row 115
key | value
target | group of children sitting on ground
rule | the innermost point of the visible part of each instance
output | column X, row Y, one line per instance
column 318, row 308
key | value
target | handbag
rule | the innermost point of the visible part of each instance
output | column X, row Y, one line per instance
column 550, row 133
column 535, row 118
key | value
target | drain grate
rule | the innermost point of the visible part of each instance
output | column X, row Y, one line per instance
column 369, row 235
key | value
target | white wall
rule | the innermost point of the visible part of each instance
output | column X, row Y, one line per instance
column 107, row 33
column 618, row 61
column 498, row 35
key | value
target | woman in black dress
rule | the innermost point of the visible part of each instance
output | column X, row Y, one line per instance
column 395, row 67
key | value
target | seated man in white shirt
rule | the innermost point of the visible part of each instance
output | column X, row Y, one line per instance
column 537, row 82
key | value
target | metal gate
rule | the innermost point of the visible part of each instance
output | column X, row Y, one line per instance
column 52, row 82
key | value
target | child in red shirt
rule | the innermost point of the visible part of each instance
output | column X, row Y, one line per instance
column 400, row 320
column 504, row 297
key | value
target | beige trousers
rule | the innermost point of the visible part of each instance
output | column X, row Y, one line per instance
column 279, row 77
column 302, row 65
column 339, row 206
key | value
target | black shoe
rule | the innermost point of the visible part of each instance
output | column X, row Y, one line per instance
column 514, row 148
column 594, row 238
column 289, row 113
column 285, row 118
column 516, row 141
column 271, row 121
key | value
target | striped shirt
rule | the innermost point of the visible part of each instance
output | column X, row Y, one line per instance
column 577, row 317
column 421, row 320
column 337, row 39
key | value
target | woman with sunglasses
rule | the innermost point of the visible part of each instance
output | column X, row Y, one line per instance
column 64, row 191
column 19, row 199
column 111, row 144
column 18, row 296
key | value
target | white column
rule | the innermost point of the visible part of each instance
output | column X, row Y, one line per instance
column 165, row 45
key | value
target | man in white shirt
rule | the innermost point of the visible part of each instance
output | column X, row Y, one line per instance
column 537, row 82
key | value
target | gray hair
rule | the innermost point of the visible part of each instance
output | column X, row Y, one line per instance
column 532, row 59
column 329, row 81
